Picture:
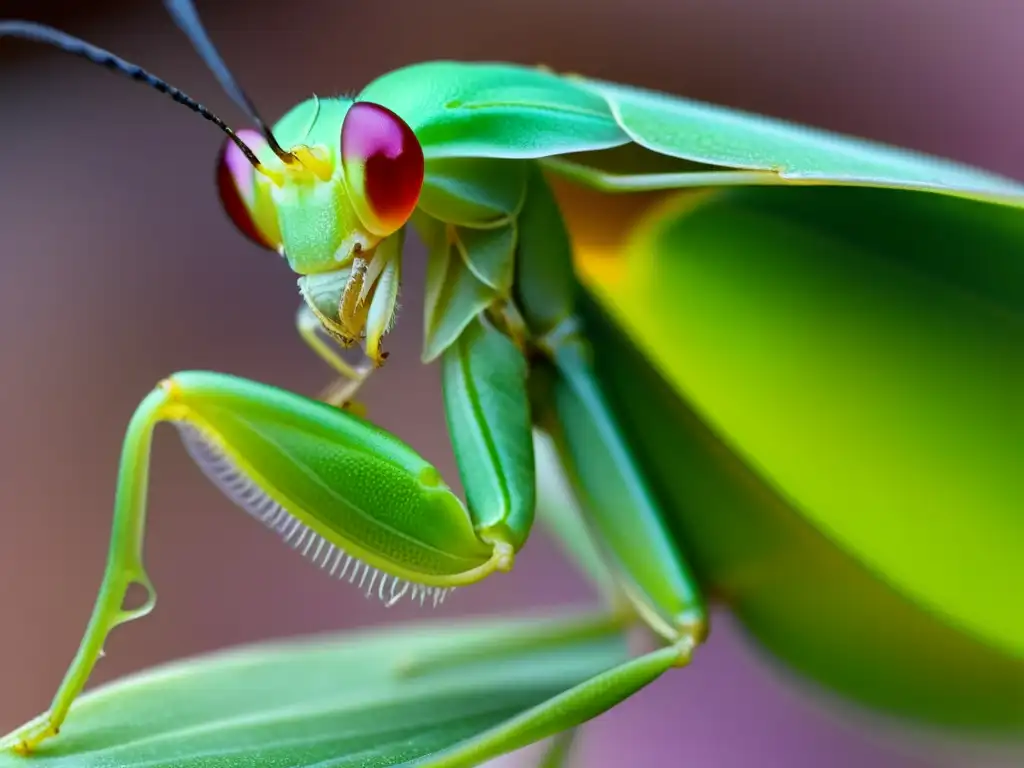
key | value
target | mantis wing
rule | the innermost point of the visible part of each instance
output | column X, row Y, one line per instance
column 508, row 111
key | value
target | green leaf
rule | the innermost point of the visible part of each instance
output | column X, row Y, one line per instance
column 839, row 430
column 879, row 382
column 328, row 701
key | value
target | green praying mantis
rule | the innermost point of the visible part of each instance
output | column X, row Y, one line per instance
column 794, row 383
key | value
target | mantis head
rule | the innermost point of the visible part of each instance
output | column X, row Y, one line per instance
column 328, row 207
column 373, row 174
column 334, row 207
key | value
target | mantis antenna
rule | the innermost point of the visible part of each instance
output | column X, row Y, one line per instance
column 40, row 33
column 185, row 16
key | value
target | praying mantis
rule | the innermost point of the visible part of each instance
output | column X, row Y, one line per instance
column 673, row 384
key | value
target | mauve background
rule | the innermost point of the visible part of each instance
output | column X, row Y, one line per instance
column 118, row 268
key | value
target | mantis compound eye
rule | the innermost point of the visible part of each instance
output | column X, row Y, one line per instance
column 383, row 164
column 236, row 185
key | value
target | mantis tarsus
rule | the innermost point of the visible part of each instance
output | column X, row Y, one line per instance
column 467, row 154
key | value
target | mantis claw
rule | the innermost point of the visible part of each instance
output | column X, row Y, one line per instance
column 25, row 740
column 357, row 301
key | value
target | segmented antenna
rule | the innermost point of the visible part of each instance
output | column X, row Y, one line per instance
column 40, row 33
column 185, row 16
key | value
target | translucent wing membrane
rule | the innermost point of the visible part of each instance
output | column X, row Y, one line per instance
column 341, row 565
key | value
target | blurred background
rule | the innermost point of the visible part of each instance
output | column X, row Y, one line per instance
column 119, row 267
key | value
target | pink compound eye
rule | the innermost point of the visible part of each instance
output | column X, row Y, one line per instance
column 236, row 184
column 383, row 164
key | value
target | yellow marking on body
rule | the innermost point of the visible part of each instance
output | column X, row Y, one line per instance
column 315, row 159
column 170, row 386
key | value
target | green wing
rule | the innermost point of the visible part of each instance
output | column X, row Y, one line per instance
column 503, row 110
column 717, row 136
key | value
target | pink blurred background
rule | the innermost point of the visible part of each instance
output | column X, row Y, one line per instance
column 118, row 267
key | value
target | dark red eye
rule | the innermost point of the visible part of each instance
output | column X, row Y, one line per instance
column 383, row 164
column 236, row 184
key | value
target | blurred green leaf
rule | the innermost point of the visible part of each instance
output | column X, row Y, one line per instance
column 328, row 701
column 861, row 348
column 827, row 386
